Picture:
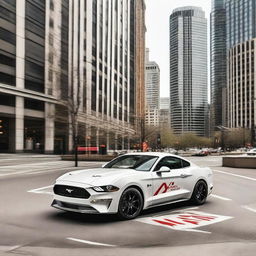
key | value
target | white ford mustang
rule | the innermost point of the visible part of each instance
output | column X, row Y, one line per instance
column 133, row 182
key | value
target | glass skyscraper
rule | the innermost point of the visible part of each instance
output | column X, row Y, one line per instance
column 218, row 63
column 188, row 70
column 241, row 25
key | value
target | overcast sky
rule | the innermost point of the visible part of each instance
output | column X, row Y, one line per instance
column 157, row 36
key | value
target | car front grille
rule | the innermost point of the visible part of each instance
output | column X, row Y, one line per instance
column 74, row 206
column 70, row 191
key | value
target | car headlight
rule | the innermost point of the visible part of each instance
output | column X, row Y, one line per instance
column 108, row 188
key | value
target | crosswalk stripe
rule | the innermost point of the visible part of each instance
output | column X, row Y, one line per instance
column 90, row 242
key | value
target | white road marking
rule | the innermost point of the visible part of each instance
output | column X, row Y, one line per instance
column 42, row 190
column 13, row 173
column 249, row 208
column 185, row 220
column 37, row 168
column 90, row 242
column 236, row 175
column 9, row 248
column 221, row 197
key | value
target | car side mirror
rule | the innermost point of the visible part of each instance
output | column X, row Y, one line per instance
column 163, row 169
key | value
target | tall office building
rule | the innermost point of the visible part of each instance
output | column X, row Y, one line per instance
column 218, row 64
column 164, row 112
column 241, row 91
column 59, row 57
column 188, row 70
column 241, row 85
column 152, row 91
column 241, row 26
column 140, row 63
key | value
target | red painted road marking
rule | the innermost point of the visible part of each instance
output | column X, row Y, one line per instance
column 176, row 222
column 168, row 222
column 185, row 221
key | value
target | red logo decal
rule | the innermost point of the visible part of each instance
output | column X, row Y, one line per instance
column 165, row 188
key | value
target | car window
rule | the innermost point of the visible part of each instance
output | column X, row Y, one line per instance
column 171, row 162
column 147, row 165
column 185, row 164
column 136, row 162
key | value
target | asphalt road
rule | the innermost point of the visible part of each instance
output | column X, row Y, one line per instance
column 225, row 225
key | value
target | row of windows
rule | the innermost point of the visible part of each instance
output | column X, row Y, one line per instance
column 35, row 13
column 7, row 58
column 7, row 15
column 34, row 51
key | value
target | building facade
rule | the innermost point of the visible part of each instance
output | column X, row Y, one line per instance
column 140, row 64
column 241, row 26
column 241, row 88
column 188, row 70
column 152, row 91
column 218, row 64
column 164, row 113
column 69, row 59
column 240, row 43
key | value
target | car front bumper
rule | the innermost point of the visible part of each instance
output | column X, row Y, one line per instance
column 103, row 202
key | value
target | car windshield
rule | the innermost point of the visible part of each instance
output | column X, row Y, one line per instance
column 136, row 162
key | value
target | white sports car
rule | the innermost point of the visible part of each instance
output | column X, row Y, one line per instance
column 133, row 182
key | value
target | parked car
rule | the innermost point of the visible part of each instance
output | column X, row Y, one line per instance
column 133, row 182
column 201, row 152
column 252, row 152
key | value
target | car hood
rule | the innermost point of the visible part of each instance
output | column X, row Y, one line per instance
column 96, row 177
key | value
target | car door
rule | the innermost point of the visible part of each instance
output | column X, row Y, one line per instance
column 173, row 185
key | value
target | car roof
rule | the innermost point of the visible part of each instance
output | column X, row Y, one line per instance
column 159, row 154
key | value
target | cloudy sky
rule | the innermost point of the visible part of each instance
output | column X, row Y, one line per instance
column 157, row 36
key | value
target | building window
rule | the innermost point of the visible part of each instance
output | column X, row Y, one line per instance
column 51, row 23
column 8, row 61
column 7, row 36
column 7, row 100
column 50, row 75
column 51, row 57
column 51, row 39
column 34, row 104
column 51, row 5
column 7, row 79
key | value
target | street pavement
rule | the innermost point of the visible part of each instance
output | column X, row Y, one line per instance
column 225, row 225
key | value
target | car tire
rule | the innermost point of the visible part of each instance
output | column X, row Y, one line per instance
column 130, row 204
column 200, row 193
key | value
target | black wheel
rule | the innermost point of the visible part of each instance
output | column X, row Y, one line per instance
column 130, row 204
column 200, row 193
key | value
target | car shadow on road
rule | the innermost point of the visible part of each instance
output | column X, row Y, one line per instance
column 81, row 218
column 165, row 209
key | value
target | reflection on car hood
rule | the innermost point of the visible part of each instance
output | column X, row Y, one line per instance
column 97, row 176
